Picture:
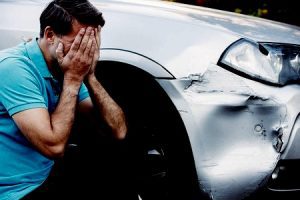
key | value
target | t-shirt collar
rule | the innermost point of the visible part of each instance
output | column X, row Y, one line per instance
column 36, row 56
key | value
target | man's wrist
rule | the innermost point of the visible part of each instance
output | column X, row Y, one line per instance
column 71, row 88
column 73, row 83
column 90, row 78
column 73, row 79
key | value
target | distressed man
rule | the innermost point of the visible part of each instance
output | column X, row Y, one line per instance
column 42, row 87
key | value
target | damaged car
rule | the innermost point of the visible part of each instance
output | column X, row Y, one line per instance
column 212, row 98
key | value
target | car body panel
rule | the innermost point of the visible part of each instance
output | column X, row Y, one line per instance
column 234, row 125
column 164, row 25
column 292, row 151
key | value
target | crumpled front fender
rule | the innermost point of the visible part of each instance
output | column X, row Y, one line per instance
column 237, row 128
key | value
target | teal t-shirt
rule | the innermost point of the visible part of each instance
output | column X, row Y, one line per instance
column 25, row 83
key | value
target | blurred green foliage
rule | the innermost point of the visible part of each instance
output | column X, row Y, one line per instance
column 283, row 11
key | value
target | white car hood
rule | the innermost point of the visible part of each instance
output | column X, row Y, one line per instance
column 184, row 39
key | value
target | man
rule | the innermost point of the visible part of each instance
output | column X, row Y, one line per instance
column 42, row 87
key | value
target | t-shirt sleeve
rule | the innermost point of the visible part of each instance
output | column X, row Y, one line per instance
column 21, row 86
column 83, row 93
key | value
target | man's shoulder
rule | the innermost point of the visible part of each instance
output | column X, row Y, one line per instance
column 14, row 54
column 14, row 59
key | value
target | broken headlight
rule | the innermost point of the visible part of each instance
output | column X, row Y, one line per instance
column 269, row 62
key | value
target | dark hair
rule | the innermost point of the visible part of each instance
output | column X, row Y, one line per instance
column 59, row 14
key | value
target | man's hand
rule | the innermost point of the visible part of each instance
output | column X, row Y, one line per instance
column 77, row 62
column 97, row 51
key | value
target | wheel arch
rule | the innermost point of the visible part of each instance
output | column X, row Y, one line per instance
column 147, row 104
column 137, row 60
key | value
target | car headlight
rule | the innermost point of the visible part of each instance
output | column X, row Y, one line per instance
column 269, row 62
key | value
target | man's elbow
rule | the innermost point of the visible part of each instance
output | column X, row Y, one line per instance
column 55, row 151
column 120, row 132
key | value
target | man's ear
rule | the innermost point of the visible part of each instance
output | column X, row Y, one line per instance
column 49, row 35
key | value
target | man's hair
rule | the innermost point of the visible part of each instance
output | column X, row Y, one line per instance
column 59, row 14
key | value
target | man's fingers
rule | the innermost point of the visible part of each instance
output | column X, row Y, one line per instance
column 94, row 48
column 76, row 44
column 60, row 52
column 85, row 39
column 98, row 36
column 88, row 47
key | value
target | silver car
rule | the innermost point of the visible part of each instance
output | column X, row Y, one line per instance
column 211, row 97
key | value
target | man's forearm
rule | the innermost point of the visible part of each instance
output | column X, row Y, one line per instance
column 108, row 108
column 62, row 118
